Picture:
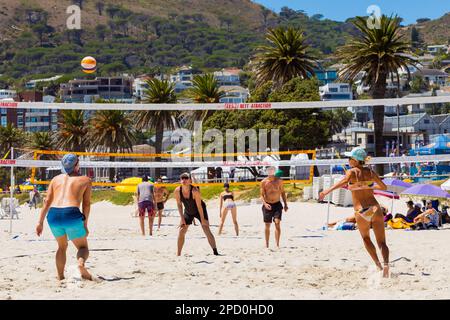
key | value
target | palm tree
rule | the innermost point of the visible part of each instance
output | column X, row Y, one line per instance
column 158, row 92
column 205, row 89
column 10, row 137
column 284, row 58
column 379, row 52
column 41, row 141
column 111, row 130
column 72, row 131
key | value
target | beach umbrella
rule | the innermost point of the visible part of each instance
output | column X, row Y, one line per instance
column 388, row 194
column 446, row 185
column 128, row 185
column 396, row 185
column 426, row 191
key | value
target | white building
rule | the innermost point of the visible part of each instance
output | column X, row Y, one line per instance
column 7, row 94
column 228, row 77
column 436, row 49
column 420, row 108
column 336, row 91
column 32, row 83
column 183, row 78
column 433, row 76
column 139, row 87
column 234, row 94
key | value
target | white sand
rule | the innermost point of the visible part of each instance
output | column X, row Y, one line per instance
column 312, row 264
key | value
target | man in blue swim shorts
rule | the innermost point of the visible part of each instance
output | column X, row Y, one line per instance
column 65, row 194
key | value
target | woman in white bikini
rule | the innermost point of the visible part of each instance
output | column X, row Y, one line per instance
column 227, row 204
column 362, row 181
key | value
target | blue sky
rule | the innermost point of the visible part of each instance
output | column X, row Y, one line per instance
column 340, row 10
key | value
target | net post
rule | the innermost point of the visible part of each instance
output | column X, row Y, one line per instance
column 11, row 194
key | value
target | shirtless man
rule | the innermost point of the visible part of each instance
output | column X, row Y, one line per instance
column 271, row 191
column 194, row 208
column 65, row 194
column 161, row 195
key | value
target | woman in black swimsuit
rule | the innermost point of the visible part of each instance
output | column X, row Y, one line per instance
column 189, row 197
column 227, row 204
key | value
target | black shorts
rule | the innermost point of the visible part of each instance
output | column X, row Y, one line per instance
column 160, row 205
column 275, row 213
column 189, row 217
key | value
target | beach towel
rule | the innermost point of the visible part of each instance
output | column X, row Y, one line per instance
column 346, row 226
column 399, row 223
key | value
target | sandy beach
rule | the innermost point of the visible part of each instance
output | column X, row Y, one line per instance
column 311, row 263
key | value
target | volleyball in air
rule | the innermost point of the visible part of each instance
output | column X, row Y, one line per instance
column 89, row 64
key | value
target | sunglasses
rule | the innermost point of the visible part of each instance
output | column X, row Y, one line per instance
column 184, row 178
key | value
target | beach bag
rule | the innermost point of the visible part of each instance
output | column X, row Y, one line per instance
column 399, row 223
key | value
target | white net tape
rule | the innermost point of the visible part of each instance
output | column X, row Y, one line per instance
column 227, row 106
column 193, row 164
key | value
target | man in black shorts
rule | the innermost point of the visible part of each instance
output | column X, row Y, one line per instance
column 194, row 208
column 271, row 191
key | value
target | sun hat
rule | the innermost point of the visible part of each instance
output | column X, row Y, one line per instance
column 357, row 153
column 68, row 162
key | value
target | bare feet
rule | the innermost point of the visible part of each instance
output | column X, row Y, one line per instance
column 60, row 277
column 84, row 273
column 379, row 266
column 386, row 270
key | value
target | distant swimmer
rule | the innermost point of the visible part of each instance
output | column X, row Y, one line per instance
column 272, row 190
column 161, row 196
column 362, row 181
column 194, row 208
column 64, row 195
column 227, row 204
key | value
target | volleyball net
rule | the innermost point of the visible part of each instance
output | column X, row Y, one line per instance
column 112, row 169
column 127, row 168
column 108, row 169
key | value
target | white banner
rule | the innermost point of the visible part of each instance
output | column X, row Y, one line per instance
column 226, row 106
column 195, row 164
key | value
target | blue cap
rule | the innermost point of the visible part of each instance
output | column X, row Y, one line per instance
column 69, row 162
column 357, row 153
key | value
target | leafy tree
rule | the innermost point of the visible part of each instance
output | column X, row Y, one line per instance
column 379, row 52
column 111, row 130
column 101, row 31
column 418, row 84
column 158, row 92
column 205, row 89
column 72, row 131
column 99, row 5
column 10, row 137
column 284, row 58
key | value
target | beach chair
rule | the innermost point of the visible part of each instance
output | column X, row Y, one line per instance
column 6, row 208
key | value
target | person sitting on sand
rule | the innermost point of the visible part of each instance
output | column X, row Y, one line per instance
column 429, row 219
column 64, row 195
column 362, row 181
column 350, row 219
column 146, row 202
column 227, row 204
column 272, row 190
column 161, row 196
column 194, row 208
column 411, row 214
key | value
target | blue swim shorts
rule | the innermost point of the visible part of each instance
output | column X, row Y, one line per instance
column 66, row 221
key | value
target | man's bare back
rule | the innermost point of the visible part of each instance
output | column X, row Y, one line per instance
column 68, row 191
